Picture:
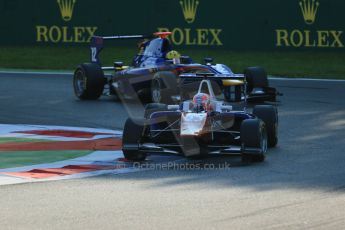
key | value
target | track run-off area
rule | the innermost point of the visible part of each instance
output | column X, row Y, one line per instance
column 301, row 184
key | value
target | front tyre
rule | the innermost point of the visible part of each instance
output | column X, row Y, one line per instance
column 254, row 140
column 88, row 81
column 132, row 134
column 269, row 115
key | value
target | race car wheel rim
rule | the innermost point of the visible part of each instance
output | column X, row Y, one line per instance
column 156, row 92
column 79, row 82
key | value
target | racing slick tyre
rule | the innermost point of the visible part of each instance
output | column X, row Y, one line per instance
column 163, row 87
column 269, row 115
column 88, row 81
column 132, row 135
column 253, row 136
column 256, row 77
column 154, row 107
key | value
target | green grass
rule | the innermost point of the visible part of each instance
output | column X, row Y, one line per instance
column 19, row 140
column 25, row 158
column 291, row 64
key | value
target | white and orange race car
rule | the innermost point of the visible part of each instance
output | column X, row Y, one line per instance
column 201, row 126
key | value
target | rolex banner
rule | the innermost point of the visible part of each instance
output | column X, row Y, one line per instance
column 229, row 24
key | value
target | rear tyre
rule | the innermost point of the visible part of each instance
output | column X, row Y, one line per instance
column 154, row 107
column 88, row 81
column 256, row 77
column 253, row 135
column 269, row 115
column 163, row 87
column 132, row 135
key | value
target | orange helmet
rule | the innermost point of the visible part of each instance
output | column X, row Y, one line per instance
column 201, row 102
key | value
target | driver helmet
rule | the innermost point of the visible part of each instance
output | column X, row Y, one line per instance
column 175, row 56
column 201, row 102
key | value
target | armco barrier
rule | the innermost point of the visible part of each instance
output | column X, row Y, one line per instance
column 240, row 24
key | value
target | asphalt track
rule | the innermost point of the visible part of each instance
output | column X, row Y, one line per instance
column 301, row 185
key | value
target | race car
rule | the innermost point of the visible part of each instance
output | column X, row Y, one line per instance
column 153, row 75
column 201, row 126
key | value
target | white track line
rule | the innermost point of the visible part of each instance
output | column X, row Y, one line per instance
column 304, row 79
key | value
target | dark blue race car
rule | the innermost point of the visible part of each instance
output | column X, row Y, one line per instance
column 154, row 75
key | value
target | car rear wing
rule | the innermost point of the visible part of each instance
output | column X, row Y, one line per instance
column 97, row 44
